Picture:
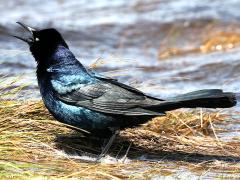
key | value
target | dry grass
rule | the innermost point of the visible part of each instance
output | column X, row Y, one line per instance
column 34, row 145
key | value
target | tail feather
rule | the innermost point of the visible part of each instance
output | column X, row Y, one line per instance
column 209, row 98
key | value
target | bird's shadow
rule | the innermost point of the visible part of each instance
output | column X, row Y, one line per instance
column 78, row 144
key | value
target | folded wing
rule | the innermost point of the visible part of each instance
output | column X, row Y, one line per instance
column 109, row 97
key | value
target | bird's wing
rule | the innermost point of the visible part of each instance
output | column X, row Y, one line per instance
column 109, row 98
column 100, row 76
column 116, row 82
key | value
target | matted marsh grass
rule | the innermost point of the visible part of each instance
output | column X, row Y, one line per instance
column 34, row 145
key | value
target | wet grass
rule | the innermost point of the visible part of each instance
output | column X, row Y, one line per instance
column 212, row 37
column 34, row 145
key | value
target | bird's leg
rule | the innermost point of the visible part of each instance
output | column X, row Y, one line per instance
column 107, row 147
column 125, row 156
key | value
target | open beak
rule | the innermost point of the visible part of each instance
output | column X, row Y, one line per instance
column 29, row 29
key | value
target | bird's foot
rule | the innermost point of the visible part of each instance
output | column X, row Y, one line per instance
column 107, row 147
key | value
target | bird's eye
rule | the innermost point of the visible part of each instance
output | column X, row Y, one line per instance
column 37, row 39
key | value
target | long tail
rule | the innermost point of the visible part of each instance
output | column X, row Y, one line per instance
column 209, row 98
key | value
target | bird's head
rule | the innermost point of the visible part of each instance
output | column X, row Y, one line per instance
column 42, row 43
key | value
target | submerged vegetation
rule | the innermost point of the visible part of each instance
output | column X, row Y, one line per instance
column 34, row 145
column 213, row 37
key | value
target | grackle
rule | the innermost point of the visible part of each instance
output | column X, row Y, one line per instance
column 97, row 104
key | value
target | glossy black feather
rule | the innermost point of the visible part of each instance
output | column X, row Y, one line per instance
column 98, row 104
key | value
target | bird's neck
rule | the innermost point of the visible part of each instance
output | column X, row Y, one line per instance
column 59, row 66
column 61, row 59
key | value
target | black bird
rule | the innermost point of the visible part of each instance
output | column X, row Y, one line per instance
column 100, row 105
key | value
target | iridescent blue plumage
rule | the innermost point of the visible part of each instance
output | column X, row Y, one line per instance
column 63, row 76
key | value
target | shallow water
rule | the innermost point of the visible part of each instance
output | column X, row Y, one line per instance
column 129, row 36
